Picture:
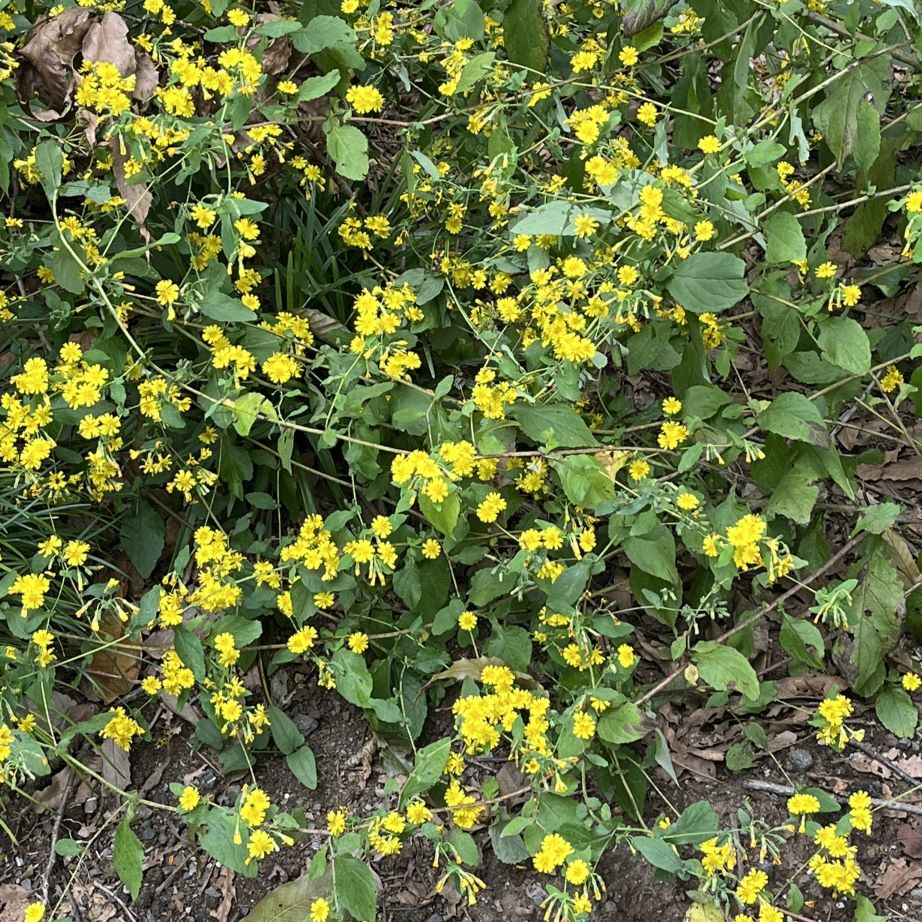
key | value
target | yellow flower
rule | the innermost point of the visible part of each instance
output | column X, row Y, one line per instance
column 709, row 144
column 914, row 201
column 671, row 435
column 751, row 886
column 672, row 406
column 320, row 910
column 76, row 552
column 35, row 912
column 626, row 656
column 577, row 872
column 647, row 114
column 825, row 270
column 489, row 510
column 189, row 799
column 238, row 18
column 167, row 293
column 638, row 469
column 255, row 806
column 467, row 621
column 358, row 642
column 911, row 682
column 280, row 368
column 121, row 729
column 302, row 640
column 583, row 729
column 628, row 56
column 431, row 549
column 336, row 822
column 365, row 99
column 688, row 502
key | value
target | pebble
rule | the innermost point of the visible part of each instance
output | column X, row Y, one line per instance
column 305, row 723
column 147, row 832
column 212, row 897
column 26, row 883
column 90, row 805
column 435, row 917
column 800, row 760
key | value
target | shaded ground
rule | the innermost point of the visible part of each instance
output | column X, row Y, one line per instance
column 180, row 882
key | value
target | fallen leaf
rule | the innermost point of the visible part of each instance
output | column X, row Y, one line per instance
column 225, row 883
column 13, row 902
column 114, row 669
column 909, row 836
column 107, row 41
column 898, row 879
column 116, row 765
column 910, row 469
column 137, row 196
column 49, row 51
column 290, row 902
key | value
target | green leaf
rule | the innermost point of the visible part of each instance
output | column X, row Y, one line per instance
column 128, row 856
column 659, row 853
column 285, row 734
column 355, row 888
column 323, row 32
column 584, row 480
column 248, row 408
column 837, row 117
column 290, row 902
column 348, row 149
column 845, row 344
column 315, row 87
column 795, row 495
column 795, row 417
column 784, row 238
column 190, row 651
column 222, row 307
column 430, row 763
column 525, row 34
column 654, row 553
column 554, row 425
column 443, row 515
column 697, row 824
column 897, row 712
column 865, row 912
column 142, row 538
column 475, row 70
column 303, row 766
column 867, row 138
column 721, row 666
column 556, row 218
column 620, row 724
column 797, row 636
column 709, row 282
column 876, row 519
column 49, row 161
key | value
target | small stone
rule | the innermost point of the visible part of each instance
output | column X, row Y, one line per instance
column 147, row 832
column 800, row 759
column 90, row 805
column 305, row 723
column 435, row 917
column 212, row 897
column 26, row 883
column 232, row 792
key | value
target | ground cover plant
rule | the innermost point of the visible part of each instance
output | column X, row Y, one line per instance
column 528, row 375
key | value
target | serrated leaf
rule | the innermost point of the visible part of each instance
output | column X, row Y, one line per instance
column 723, row 667
column 784, row 238
column 845, row 344
column 348, row 149
column 709, row 282
column 795, row 417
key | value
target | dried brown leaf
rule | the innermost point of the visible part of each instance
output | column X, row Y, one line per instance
column 225, row 883
column 49, row 53
column 13, row 902
column 136, row 195
column 107, row 41
column 114, row 669
column 898, row 879
column 909, row 836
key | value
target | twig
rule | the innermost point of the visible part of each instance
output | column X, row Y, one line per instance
column 816, row 574
column 785, row 790
column 55, row 832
